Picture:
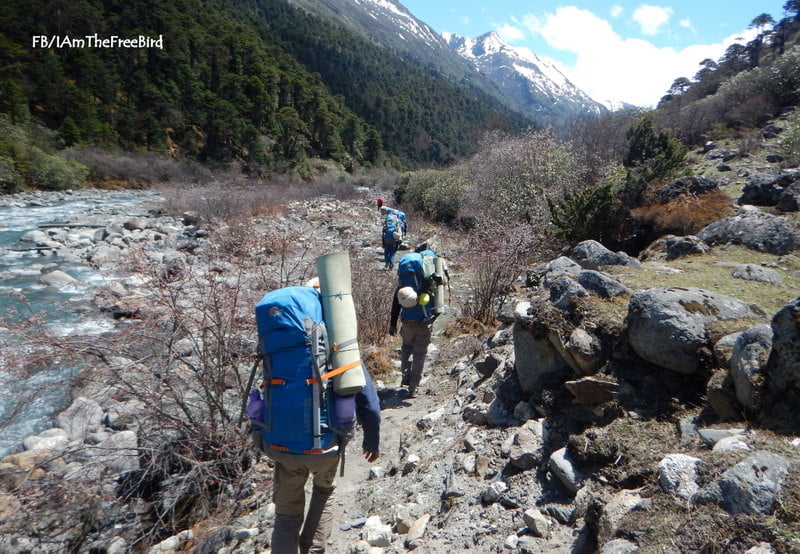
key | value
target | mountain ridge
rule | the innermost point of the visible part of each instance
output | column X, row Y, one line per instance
column 534, row 84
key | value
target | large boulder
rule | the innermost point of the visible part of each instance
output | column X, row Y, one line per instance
column 590, row 254
column 750, row 354
column 753, row 229
column 687, row 186
column 782, row 372
column 789, row 200
column 546, row 273
column 766, row 189
column 669, row 326
column 750, row 487
column 672, row 247
column 534, row 357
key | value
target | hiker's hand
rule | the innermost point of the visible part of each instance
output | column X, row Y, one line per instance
column 392, row 330
column 371, row 456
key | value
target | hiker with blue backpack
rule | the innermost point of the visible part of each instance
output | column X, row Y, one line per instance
column 392, row 234
column 418, row 300
column 303, row 422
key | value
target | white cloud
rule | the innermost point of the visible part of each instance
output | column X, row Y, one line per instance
column 616, row 10
column 651, row 18
column 687, row 24
column 610, row 67
column 510, row 33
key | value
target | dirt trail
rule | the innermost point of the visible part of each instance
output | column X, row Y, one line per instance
column 398, row 413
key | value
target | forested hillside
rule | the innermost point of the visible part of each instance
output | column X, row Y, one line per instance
column 217, row 91
column 419, row 114
column 257, row 83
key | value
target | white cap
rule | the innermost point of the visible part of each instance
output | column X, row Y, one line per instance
column 407, row 297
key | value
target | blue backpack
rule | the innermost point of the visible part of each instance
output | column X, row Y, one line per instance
column 298, row 415
column 392, row 228
column 416, row 270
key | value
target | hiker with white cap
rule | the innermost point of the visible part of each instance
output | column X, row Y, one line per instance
column 412, row 303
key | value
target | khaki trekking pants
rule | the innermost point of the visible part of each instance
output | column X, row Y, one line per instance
column 416, row 337
column 291, row 534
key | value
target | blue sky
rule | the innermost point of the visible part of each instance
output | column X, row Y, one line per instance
column 629, row 51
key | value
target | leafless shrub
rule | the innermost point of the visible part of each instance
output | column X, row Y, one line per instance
column 130, row 168
column 283, row 259
column 513, row 176
column 229, row 201
column 186, row 361
column 497, row 260
column 372, row 295
column 597, row 142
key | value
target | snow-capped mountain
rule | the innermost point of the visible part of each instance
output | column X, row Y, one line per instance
column 517, row 77
column 533, row 83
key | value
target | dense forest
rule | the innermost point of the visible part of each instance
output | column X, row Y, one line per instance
column 260, row 84
column 419, row 113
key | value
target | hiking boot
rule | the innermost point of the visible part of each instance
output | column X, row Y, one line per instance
column 412, row 393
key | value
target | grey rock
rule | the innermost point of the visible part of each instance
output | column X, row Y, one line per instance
column 563, row 291
column 750, row 487
column 488, row 365
column 537, row 523
column 586, row 350
column 562, row 467
column 762, row 189
column 550, row 271
column 789, row 200
column 724, row 154
column 782, row 388
column 713, row 436
column 752, row 272
column 619, row 546
column 601, row 284
column 57, row 278
column 561, row 513
column 54, row 439
column 753, row 229
column 81, row 418
column 749, row 357
column 590, row 254
column 672, row 247
column 687, row 186
column 494, row 492
column 731, row 444
column 677, row 475
column 534, row 356
column 668, row 326
column 525, row 450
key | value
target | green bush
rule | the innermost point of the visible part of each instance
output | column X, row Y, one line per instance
column 10, row 179
column 52, row 172
column 653, row 153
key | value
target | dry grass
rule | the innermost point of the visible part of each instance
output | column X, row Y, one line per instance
column 687, row 215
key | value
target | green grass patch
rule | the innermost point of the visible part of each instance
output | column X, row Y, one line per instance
column 704, row 271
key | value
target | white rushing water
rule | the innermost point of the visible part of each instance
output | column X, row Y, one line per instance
column 28, row 401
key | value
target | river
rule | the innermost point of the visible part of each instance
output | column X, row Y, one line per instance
column 28, row 402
